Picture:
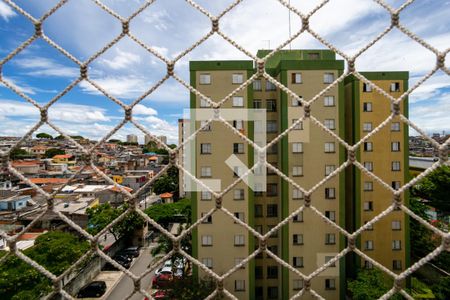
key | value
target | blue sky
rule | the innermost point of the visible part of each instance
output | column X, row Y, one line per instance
column 127, row 70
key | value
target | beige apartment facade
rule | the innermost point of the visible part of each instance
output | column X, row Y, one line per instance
column 307, row 155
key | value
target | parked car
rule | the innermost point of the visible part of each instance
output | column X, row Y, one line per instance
column 109, row 267
column 123, row 261
column 95, row 289
column 162, row 280
column 131, row 251
column 161, row 294
column 164, row 270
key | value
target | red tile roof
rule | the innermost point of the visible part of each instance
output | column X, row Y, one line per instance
column 166, row 195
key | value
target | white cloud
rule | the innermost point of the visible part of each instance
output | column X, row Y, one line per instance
column 124, row 86
column 46, row 67
column 6, row 11
column 16, row 83
column 122, row 60
column 432, row 116
column 141, row 109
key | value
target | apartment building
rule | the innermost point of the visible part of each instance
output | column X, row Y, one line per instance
column 307, row 155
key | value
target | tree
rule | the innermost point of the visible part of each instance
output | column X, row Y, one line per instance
column 18, row 153
column 435, row 188
column 167, row 183
column 188, row 288
column 166, row 213
column 370, row 284
column 115, row 141
column 55, row 250
column 44, row 135
column 102, row 215
column 53, row 151
column 60, row 137
column 442, row 288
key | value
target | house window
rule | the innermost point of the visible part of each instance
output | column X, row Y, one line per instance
column 272, row 272
column 274, row 234
column 204, row 103
column 297, row 239
column 298, row 217
column 258, row 272
column 258, row 211
column 238, row 101
column 331, row 214
column 239, row 285
column 296, row 78
column 297, row 147
column 314, row 56
column 237, row 78
column 370, row 227
column 368, row 186
column 205, row 78
column 328, row 258
column 367, row 106
column 329, row 169
column 239, row 240
column 298, row 261
column 206, row 172
column 272, row 189
column 328, row 78
column 273, row 149
column 328, row 101
column 205, row 126
column 330, row 284
column 395, row 146
column 206, row 195
column 395, row 87
column 396, row 225
column 330, row 193
column 329, row 147
column 208, row 220
column 368, row 165
column 298, row 126
column 368, row 245
column 238, row 148
column 257, row 85
column 397, row 264
column 297, row 101
column 270, row 86
column 238, row 124
column 257, row 104
column 395, row 185
column 297, row 284
column 272, row 210
column 367, row 126
column 395, row 166
column 367, row 88
column 330, row 124
column 208, row 262
column 396, row 245
column 272, row 292
column 205, row 148
column 238, row 194
column 240, row 216
column 297, row 194
column 368, row 264
column 368, row 147
column 395, row 126
column 297, row 171
column 368, row 205
column 330, row 239
column 273, row 248
column 271, row 126
column 237, row 171
column 271, row 105
column 206, row 240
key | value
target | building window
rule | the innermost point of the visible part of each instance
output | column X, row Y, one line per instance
column 237, row 171
column 330, row 284
column 329, row 169
column 395, row 166
column 238, row 124
column 368, row 186
column 395, row 146
column 272, row 272
column 238, row 148
column 395, row 126
column 395, row 87
column 396, row 245
column 272, row 189
column 368, row 146
column 270, row 171
column 328, row 258
column 258, row 272
column 328, row 101
column 237, row 78
column 206, row 171
column 238, row 101
column 297, row 284
column 329, row 147
column 368, row 264
column 368, row 165
column 297, row 194
column 297, row 239
column 239, row 285
column 274, row 234
column 296, row 78
column 367, row 88
column 257, row 85
column 298, row 261
column 271, row 126
column 298, row 126
column 205, row 78
column 204, row 103
column 330, row 124
column 208, row 262
column 298, row 217
column 273, row 149
column 330, row 214
column 272, row 210
column 206, row 240
column 272, row 292
column 206, row 195
column 330, row 239
column 258, row 211
column 205, row 126
column 208, row 220
column 397, row 264
column 273, row 248
column 271, row 105
column 330, row 193
column 396, row 225
column 328, row 78
column 238, row 194
column 239, row 240
column 368, row 245
column 257, row 104
column 367, row 126
column 367, row 106
column 297, row 101
column 368, row 205
column 205, row 148
column 297, row 171
column 395, row 185
column 240, row 216
column 297, row 147
column 314, row 56
column 270, row 86
column 370, row 227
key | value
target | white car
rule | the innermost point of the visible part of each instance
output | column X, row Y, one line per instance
column 164, row 270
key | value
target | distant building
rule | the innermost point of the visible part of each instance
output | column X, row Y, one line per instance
column 163, row 139
column 132, row 138
column 147, row 139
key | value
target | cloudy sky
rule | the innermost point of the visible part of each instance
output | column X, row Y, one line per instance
column 126, row 70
